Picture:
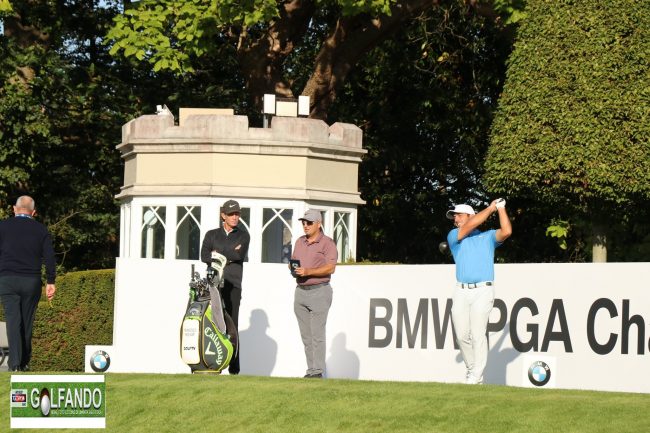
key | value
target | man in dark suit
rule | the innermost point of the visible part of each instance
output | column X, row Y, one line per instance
column 25, row 245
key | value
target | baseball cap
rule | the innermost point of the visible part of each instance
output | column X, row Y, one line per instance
column 312, row 215
column 230, row 206
column 460, row 208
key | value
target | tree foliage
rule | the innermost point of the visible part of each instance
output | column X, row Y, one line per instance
column 424, row 99
column 572, row 131
column 266, row 34
column 61, row 101
column 168, row 33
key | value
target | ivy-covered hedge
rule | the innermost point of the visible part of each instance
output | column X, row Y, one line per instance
column 80, row 314
column 573, row 124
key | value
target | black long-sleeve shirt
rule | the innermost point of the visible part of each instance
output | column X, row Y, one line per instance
column 217, row 240
column 25, row 245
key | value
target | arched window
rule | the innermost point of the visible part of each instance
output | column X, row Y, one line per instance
column 276, row 235
column 153, row 232
column 342, row 235
column 188, row 232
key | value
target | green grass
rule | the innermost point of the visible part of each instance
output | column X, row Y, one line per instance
column 200, row 403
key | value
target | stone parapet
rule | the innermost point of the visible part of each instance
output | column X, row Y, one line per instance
column 221, row 128
column 213, row 154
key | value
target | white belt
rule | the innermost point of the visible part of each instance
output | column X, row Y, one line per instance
column 473, row 285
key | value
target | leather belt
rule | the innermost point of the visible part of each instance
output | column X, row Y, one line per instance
column 474, row 285
column 313, row 286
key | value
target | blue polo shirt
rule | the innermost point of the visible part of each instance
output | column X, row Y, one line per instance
column 474, row 255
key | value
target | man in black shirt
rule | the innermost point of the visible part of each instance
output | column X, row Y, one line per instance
column 232, row 242
column 25, row 245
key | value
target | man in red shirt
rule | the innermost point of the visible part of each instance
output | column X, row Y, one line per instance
column 313, row 296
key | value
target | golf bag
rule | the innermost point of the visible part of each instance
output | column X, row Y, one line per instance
column 208, row 334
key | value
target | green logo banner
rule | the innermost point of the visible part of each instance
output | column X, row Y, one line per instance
column 58, row 401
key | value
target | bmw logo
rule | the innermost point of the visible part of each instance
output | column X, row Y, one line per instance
column 539, row 373
column 100, row 361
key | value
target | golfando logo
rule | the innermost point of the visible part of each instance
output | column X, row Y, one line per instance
column 70, row 399
column 100, row 361
column 58, row 401
column 539, row 373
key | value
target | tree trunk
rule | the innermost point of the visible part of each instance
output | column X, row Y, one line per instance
column 349, row 41
column 24, row 36
column 599, row 247
column 262, row 60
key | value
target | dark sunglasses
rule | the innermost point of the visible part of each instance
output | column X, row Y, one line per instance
column 304, row 222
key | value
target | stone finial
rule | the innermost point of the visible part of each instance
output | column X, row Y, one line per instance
column 147, row 126
column 299, row 129
column 346, row 134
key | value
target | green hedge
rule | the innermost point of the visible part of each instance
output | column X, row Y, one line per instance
column 80, row 314
column 573, row 124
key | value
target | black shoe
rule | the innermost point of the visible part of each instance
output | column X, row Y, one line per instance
column 25, row 367
column 15, row 369
column 315, row 376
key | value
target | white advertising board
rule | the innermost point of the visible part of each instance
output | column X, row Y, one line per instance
column 580, row 326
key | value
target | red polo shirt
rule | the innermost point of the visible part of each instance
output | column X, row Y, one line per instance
column 319, row 253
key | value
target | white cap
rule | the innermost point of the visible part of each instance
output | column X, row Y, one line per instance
column 460, row 208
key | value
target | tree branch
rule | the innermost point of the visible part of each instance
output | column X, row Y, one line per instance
column 25, row 36
column 261, row 61
column 349, row 41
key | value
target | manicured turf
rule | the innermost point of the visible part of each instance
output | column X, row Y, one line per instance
column 199, row 403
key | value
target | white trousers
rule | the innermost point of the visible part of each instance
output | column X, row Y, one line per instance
column 470, row 312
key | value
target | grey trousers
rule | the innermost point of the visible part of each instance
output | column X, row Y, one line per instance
column 311, row 308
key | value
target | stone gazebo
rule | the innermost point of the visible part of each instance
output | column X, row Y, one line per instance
column 177, row 176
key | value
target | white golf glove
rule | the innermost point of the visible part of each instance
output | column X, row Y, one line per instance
column 501, row 203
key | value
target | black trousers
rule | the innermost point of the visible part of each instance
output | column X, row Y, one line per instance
column 231, row 299
column 20, row 296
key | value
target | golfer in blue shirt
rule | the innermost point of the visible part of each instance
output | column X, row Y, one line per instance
column 473, row 297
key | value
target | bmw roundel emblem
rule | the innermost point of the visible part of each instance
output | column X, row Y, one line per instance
column 539, row 373
column 100, row 361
